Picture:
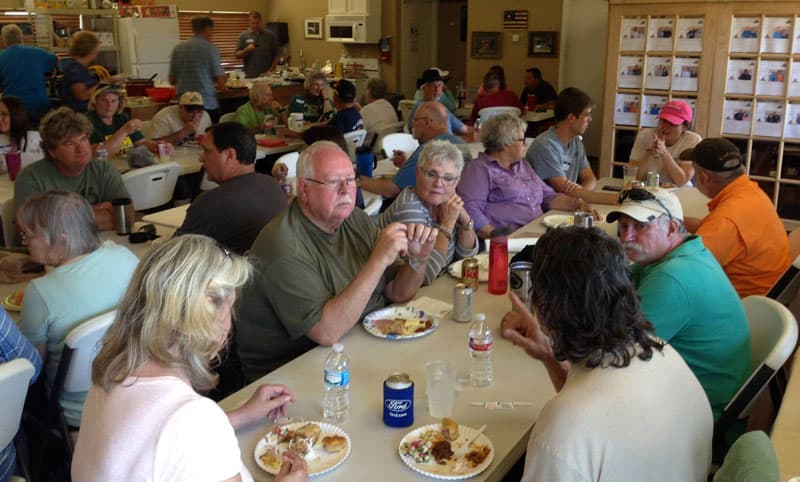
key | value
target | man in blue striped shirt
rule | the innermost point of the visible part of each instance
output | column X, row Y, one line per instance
column 196, row 65
column 12, row 346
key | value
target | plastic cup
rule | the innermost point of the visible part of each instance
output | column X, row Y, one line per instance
column 14, row 163
column 440, row 377
column 629, row 174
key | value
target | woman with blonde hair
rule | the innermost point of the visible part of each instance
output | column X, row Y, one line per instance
column 155, row 357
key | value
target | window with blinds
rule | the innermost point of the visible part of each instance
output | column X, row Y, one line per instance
column 227, row 27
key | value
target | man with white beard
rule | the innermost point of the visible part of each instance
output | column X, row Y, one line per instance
column 684, row 292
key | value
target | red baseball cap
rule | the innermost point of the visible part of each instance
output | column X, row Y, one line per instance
column 676, row 112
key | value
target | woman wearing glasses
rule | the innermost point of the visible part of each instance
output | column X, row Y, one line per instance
column 500, row 189
column 433, row 202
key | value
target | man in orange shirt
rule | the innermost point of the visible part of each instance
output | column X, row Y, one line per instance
column 742, row 228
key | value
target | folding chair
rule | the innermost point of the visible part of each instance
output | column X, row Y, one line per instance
column 15, row 377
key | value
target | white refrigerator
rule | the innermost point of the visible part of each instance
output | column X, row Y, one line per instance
column 146, row 46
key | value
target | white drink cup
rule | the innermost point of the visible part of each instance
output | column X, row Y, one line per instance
column 440, row 377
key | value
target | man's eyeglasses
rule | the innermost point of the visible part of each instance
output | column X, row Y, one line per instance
column 334, row 184
column 435, row 176
column 642, row 195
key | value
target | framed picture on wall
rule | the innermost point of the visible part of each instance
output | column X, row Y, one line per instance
column 542, row 44
column 313, row 27
column 486, row 45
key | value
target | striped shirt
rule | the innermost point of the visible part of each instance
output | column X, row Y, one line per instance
column 408, row 208
column 196, row 64
column 12, row 346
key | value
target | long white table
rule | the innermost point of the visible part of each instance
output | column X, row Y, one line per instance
column 517, row 378
column 168, row 218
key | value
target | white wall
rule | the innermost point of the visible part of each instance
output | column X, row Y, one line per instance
column 418, row 20
column 583, row 55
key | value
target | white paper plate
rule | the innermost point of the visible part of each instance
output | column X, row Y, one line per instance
column 558, row 220
column 8, row 303
column 454, row 269
column 398, row 312
column 318, row 460
column 447, row 472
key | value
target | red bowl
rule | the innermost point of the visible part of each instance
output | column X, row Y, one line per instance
column 160, row 94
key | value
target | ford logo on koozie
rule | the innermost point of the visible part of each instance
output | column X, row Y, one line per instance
column 397, row 405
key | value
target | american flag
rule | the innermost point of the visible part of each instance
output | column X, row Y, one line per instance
column 515, row 19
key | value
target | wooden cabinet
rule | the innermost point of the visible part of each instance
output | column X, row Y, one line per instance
column 737, row 63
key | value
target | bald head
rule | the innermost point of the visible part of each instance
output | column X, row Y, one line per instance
column 431, row 121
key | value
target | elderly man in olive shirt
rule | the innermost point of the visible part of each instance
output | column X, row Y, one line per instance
column 322, row 265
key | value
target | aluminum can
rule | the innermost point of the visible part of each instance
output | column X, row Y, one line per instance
column 163, row 154
column 398, row 400
column 462, row 303
column 520, row 281
column 470, row 272
column 582, row 219
column 653, row 179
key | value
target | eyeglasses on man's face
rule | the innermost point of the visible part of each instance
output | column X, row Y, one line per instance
column 434, row 176
column 334, row 184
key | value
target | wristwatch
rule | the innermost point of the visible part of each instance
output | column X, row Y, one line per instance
column 469, row 226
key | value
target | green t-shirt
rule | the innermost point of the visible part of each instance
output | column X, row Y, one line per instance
column 299, row 268
column 249, row 117
column 102, row 131
column 99, row 182
column 693, row 306
column 311, row 107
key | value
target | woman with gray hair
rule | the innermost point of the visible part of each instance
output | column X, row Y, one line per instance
column 433, row 202
column 155, row 358
column 22, row 72
column 500, row 189
column 87, row 278
column 261, row 108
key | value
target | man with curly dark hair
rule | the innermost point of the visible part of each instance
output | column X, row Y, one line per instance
column 620, row 389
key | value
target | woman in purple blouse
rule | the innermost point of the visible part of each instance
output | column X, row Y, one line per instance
column 500, row 188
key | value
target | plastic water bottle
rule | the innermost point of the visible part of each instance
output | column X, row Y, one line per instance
column 102, row 153
column 336, row 402
column 481, row 343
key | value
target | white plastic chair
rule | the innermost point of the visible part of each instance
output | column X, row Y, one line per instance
column 152, row 186
column 9, row 228
column 147, row 129
column 229, row 117
column 372, row 203
column 290, row 160
column 378, row 135
column 207, row 184
column 399, row 142
column 15, row 377
column 773, row 338
column 404, row 106
column 354, row 140
column 488, row 112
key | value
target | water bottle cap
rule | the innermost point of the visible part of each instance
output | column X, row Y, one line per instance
column 480, row 317
column 338, row 347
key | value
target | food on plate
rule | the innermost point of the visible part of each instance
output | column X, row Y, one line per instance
column 334, row 443
column 18, row 297
column 477, row 455
column 441, row 451
column 449, row 428
column 272, row 460
column 310, row 430
column 402, row 326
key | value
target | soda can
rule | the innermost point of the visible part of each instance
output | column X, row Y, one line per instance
column 462, row 303
column 163, row 152
column 582, row 219
column 398, row 400
column 653, row 179
column 470, row 272
column 520, row 281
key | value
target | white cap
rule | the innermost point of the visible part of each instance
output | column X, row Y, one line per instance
column 338, row 347
column 646, row 210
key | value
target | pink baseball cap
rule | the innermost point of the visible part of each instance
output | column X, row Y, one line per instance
column 676, row 112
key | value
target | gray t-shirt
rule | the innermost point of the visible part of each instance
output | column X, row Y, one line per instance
column 299, row 268
column 260, row 59
column 99, row 182
column 550, row 158
column 236, row 211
